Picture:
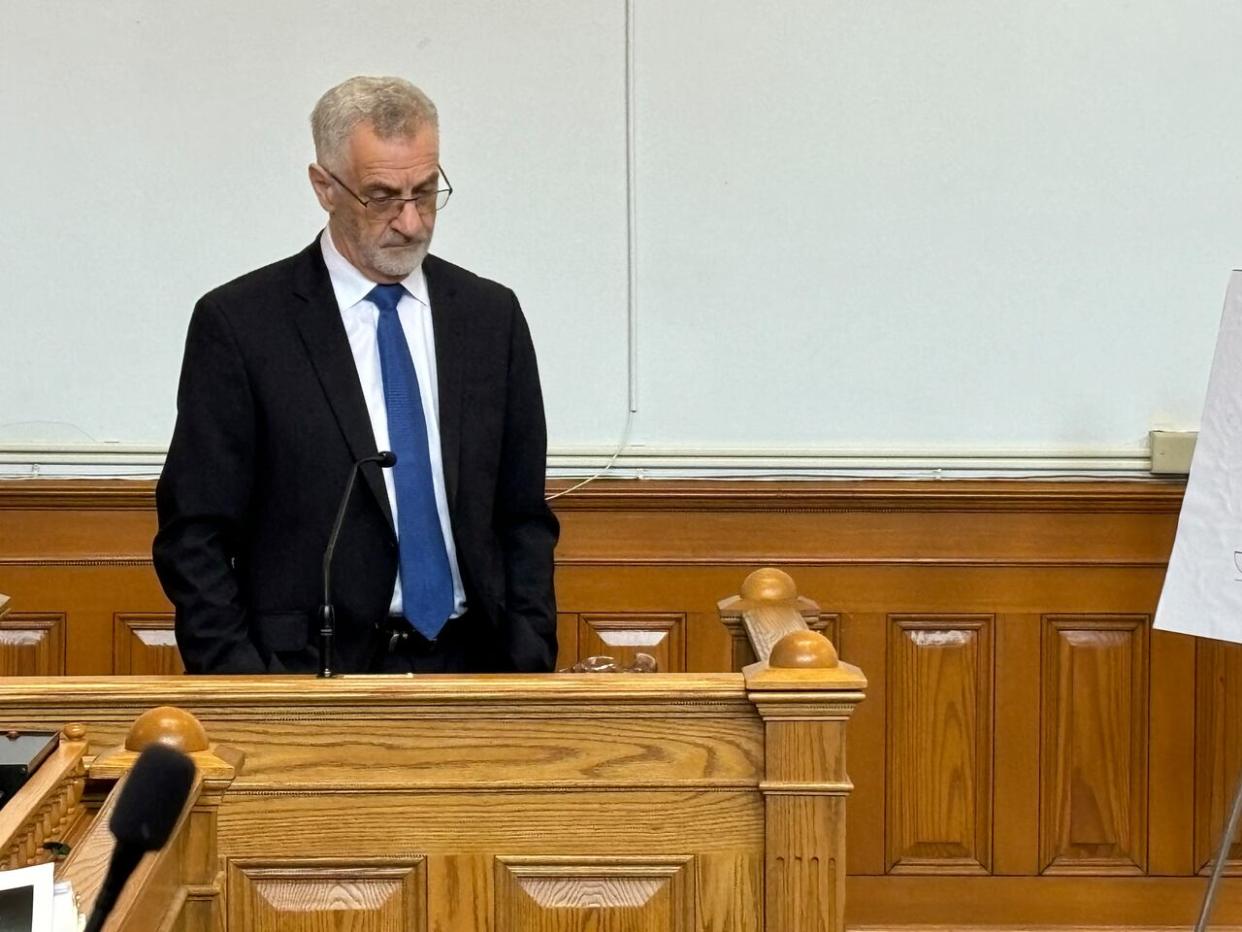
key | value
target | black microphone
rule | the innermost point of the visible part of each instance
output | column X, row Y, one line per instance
column 327, row 614
column 146, row 812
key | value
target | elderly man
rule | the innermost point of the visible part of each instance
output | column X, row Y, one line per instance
column 359, row 343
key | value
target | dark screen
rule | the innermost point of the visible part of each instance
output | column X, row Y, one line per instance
column 17, row 909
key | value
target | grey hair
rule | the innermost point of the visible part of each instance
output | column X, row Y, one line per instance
column 393, row 106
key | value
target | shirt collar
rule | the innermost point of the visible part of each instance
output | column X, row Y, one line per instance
column 350, row 286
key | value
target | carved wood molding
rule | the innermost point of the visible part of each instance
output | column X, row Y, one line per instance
column 559, row 892
column 312, row 892
column 1158, row 496
column 109, row 494
column 58, row 793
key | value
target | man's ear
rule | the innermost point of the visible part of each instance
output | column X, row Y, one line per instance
column 324, row 189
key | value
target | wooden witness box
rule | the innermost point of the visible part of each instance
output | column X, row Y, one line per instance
column 629, row 802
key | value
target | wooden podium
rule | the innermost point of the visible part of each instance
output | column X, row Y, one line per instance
column 626, row 802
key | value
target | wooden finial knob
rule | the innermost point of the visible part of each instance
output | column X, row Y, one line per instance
column 174, row 727
column 74, row 731
column 769, row 585
column 803, row 650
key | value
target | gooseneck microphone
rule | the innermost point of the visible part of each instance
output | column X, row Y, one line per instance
column 146, row 813
column 327, row 613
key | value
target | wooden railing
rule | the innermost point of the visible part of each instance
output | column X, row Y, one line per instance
column 176, row 888
column 48, row 811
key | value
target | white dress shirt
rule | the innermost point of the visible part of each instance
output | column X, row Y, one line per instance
column 361, row 318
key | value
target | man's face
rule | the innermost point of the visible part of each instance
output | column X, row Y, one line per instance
column 385, row 249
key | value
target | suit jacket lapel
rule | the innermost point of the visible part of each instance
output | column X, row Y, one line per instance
column 323, row 333
column 450, row 335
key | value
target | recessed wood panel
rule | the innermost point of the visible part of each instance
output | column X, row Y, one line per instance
column 940, row 743
column 623, row 636
column 1093, row 813
column 595, row 894
column 145, row 645
column 309, row 895
column 1218, row 749
column 32, row 644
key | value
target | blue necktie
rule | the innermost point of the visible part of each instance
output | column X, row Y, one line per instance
column 426, row 581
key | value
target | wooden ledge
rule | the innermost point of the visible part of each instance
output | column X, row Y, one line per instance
column 376, row 691
column 844, row 677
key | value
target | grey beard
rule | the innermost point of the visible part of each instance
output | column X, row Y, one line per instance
column 397, row 261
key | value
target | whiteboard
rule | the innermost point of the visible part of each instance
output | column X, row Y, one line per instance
column 859, row 225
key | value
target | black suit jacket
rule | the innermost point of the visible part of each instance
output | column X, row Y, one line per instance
column 271, row 417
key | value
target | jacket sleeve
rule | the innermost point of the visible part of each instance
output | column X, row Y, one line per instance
column 528, row 530
column 202, row 499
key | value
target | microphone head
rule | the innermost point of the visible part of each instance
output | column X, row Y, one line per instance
column 152, row 798
column 386, row 458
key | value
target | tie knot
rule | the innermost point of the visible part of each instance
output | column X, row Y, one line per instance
column 386, row 297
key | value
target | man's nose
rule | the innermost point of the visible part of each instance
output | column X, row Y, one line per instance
column 409, row 222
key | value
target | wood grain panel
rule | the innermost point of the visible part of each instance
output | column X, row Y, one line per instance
column 940, row 744
column 544, row 821
column 560, row 752
column 32, row 644
column 1218, row 749
column 145, row 645
column 1094, row 752
column 313, row 895
column 597, row 894
column 624, row 635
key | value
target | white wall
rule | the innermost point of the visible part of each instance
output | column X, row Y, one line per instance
column 863, row 227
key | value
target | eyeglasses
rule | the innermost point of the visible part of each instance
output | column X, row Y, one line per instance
column 385, row 207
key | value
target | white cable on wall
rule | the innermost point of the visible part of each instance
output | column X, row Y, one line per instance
column 631, row 260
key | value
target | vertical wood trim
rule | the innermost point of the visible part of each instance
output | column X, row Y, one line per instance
column 566, row 640
column 940, row 744
column 1171, row 784
column 1016, row 745
column 1093, row 813
column 866, row 815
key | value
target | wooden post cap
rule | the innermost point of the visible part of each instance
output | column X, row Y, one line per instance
column 803, row 650
column 769, row 585
column 74, row 731
column 174, row 727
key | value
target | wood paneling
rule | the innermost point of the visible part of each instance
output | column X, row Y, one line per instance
column 532, row 817
column 570, row 895
column 1145, row 724
column 32, row 644
column 1094, row 754
column 940, row 744
column 311, row 895
column 1218, row 744
column 623, row 636
column 145, row 645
